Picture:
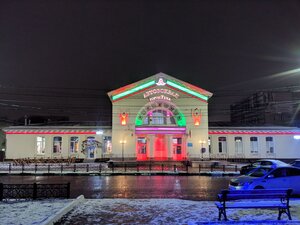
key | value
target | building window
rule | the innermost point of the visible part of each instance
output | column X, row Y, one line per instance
column 74, row 144
column 209, row 145
column 159, row 117
column 107, row 144
column 270, row 145
column 57, row 142
column 177, row 145
column 222, row 145
column 253, row 145
column 238, row 145
column 142, row 145
column 40, row 145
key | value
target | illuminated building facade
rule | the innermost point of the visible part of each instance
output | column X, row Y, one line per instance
column 159, row 118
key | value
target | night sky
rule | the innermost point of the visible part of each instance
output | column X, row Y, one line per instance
column 60, row 57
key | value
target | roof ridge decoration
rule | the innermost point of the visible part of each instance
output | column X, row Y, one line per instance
column 160, row 79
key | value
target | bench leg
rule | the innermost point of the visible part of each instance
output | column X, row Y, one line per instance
column 289, row 214
column 222, row 211
column 286, row 211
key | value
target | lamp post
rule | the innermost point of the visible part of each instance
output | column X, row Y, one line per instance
column 123, row 142
column 202, row 150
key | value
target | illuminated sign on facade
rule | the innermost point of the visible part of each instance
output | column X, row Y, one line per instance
column 160, row 97
column 160, row 91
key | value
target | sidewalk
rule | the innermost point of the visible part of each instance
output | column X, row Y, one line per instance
column 168, row 211
column 138, row 211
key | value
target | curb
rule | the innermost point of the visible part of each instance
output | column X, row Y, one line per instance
column 54, row 218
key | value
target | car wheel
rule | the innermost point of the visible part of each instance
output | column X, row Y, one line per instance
column 259, row 187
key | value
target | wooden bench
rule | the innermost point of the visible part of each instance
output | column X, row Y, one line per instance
column 238, row 199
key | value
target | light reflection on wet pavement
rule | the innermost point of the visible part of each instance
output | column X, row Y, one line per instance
column 203, row 188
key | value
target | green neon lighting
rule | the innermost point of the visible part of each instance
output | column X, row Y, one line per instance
column 181, row 121
column 137, row 88
column 196, row 94
column 138, row 121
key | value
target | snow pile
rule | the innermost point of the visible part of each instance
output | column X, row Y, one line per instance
column 168, row 211
column 29, row 212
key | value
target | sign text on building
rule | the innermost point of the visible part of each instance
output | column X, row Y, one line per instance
column 160, row 91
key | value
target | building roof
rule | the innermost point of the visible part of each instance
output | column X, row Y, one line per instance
column 56, row 129
column 151, row 81
column 263, row 130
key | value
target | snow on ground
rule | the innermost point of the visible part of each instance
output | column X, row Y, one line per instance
column 169, row 211
column 137, row 211
column 29, row 212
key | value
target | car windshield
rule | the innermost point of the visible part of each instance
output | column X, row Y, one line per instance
column 259, row 172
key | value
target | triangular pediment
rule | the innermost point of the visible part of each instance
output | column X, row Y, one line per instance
column 159, row 80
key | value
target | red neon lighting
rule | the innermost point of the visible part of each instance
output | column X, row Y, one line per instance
column 196, row 114
column 255, row 132
column 123, row 118
column 49, row 132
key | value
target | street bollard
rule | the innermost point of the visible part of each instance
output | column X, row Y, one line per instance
column 61, row 168
column 87, row 168
column 35, row 168
column 9, row 168
column 74, row 169
column 48, row 168
column 100, row 168
column 211, row 168
column 235, row 168
column 175, row 169
column 125, row 168
column 150, row 167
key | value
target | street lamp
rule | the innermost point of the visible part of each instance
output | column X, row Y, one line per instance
column 202, row 150
column 123, row 142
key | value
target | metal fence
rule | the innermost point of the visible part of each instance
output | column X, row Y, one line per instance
column 103, row 168
column 34, row 191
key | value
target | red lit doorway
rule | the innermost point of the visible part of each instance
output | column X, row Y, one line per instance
column 160, row 147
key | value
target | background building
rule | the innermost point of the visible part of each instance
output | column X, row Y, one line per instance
column 267, row 108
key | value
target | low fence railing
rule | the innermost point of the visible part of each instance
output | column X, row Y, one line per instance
column 34, row 191
column 114, row 168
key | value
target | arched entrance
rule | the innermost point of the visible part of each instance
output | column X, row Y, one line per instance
column 160, row 130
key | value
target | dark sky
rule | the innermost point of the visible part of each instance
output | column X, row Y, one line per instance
column 60, row 57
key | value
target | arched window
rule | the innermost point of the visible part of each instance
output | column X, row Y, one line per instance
column 159, row 117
